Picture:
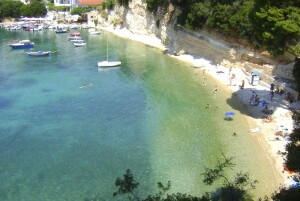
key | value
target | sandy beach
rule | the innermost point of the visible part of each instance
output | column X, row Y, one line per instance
column 272, row 132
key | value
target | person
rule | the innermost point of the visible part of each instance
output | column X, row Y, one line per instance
column 272, row 95
column 272, row 87
column 265, row 110
column 216, row 89
column 267, row 119
column 242, row 85
column 86, row 85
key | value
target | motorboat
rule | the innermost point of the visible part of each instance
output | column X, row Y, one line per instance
column 61, row 30
column 79, row 44
column 77, row 40
column 22, row 44
column 74, row 38
column 75, row 34
column 94, row 32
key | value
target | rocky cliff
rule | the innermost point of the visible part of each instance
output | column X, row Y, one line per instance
column 200, row 44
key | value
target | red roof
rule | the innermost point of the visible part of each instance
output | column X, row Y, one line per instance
column 90, row 2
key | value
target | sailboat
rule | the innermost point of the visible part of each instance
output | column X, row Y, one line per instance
column 105, row 64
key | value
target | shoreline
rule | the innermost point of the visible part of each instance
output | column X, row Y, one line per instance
column 264, row 132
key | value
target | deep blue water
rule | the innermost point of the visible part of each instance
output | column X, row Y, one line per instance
column 62, row 141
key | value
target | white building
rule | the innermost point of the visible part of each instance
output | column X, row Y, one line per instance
column 70, row 3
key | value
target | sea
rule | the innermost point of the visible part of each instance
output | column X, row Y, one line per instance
column 69, row 129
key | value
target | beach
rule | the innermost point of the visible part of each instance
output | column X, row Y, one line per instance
column 271, row 130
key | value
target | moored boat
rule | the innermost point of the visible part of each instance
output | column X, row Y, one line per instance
column 79, row 44
column 61, row 30
column 75, row 34
column 38, row 53
column 75, row 38
column 94, row 32
column 22, row 44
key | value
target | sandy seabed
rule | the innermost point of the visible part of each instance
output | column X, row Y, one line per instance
column 272, row 134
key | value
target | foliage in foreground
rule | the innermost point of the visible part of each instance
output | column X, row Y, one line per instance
column 231, row 190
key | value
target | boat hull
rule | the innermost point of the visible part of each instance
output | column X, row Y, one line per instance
column 38, row 53
column 79, row 44
column 18, row 46
column 107, row 64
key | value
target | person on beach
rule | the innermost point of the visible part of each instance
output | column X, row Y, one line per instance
column 216, row 89
column 242, row 85
column 272, row 95
column 272, row 87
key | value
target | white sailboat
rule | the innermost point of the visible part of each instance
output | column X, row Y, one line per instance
column 105, row 64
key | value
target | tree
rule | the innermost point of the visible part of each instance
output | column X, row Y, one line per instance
column 293, row 151
column 34, row 9
column 38, row 9
column 10, row 8
column 198, row 15
column 235, row 190
column 287, row 194
column 80, row 10
column 126, row 185
column 152, row 5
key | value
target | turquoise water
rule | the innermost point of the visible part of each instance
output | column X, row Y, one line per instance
column 62, row 141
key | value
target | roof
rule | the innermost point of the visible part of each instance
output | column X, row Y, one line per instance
column 90, row 2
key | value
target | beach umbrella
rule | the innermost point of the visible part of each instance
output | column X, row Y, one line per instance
column 229, row 114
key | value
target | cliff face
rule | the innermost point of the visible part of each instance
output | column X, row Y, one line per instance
column 200, row 44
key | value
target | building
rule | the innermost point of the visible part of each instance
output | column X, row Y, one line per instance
column 71, row 3
column 90, row 2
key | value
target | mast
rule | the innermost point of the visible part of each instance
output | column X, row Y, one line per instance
column 106, row 49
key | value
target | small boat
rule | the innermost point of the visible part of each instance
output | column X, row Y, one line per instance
column 107, row 64
column 75, row 34
column 94, row 32
column 38, row 53
column 79, row 44
column 61, row 30
column 21, row 44
column 77, row 40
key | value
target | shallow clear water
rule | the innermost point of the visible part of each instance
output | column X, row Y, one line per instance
column 62, row 141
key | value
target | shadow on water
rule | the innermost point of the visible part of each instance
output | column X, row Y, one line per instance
column 255, row 110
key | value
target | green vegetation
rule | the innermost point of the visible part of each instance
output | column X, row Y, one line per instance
column 80, row 10
column 152, row 5
column 34, row 9
column 273, row 25
column 234, row 189
column 109, row 4
column 10, row 9
column 16, row 9
column 51, row 7
column 123, row 3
